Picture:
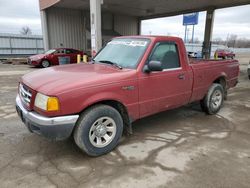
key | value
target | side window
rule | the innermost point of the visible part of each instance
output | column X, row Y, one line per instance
column 69, row 51
column 60, row 51
column 167, row 54
column 76, row 52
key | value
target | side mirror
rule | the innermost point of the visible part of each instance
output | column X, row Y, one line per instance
column 153, row 66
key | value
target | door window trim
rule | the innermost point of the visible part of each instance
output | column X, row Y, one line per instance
column 172, row 69
column 177, row 51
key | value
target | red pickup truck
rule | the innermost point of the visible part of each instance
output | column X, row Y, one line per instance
column 130, row 78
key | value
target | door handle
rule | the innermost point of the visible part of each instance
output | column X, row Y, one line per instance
column 181, row 76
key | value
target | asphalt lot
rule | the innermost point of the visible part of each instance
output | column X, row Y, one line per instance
column 177, row 148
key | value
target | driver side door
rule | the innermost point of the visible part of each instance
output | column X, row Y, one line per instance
column 162, row 90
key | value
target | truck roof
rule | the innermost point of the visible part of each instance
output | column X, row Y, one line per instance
column 153, row 37
column 63, row 48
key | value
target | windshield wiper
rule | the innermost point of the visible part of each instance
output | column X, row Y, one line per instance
column 111, row 63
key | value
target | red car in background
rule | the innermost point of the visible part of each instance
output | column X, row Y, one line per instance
column 224, row 53
column 52, row 57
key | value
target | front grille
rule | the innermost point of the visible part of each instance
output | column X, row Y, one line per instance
column 25, row 94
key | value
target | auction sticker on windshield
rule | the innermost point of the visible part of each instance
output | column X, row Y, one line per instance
column 129, row 43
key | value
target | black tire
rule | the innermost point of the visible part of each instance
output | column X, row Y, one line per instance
column 202, row 105
column 208, row 103
column 84, row 129
column 45, row 64
column 225, row 94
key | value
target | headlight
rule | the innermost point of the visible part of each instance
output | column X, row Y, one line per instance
column 46, row 103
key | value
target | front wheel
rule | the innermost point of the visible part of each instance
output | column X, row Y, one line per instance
column 98, row 130
column 213, row 100
column 45, row 64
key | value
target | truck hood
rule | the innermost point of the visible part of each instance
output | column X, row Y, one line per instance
column 55, row 80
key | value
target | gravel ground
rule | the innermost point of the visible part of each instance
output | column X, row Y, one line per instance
column 177, row 148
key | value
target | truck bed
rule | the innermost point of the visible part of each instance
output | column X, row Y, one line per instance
column 205, row 72
column 195, row 60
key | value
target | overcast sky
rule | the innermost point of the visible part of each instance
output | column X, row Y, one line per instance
column 16, row 14
column 235, row 20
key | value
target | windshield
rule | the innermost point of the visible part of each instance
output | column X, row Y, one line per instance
column 124, row 52
column 50, row 51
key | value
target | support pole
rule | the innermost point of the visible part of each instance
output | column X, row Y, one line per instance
column 138, row 26
column 206, row 49
column 45, row 30
column 11, row 49
column 185, row 38
column 85, row 58
column 79, row 58
column 36, row 47
column 187, row 35
column 95, row 19
column 193, row 35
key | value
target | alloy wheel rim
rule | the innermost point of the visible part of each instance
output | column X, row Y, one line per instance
column 45, row 63
column 102, row 132
column 216, row 99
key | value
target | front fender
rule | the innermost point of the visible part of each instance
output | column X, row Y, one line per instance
column 76, row 102
column 103, row 96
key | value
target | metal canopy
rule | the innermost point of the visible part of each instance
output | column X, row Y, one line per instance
column 144, row 9
column 151, row 9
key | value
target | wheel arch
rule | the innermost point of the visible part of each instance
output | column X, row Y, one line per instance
column 120, row 107
column 45, row 59
column 221, row 80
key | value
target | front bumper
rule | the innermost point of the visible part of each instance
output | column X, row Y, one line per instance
column 55, row 128
column 34, row 62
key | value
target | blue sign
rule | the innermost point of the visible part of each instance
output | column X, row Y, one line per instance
column 190, row 19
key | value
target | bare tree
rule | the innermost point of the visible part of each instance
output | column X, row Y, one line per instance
column 26, row 31
column 217, row 40
column 196, row 40
column 243, row 43
column 232, row 41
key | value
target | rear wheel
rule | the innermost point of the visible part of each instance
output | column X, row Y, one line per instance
column 45, row 63
column 98, row 130
column 213, row 100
